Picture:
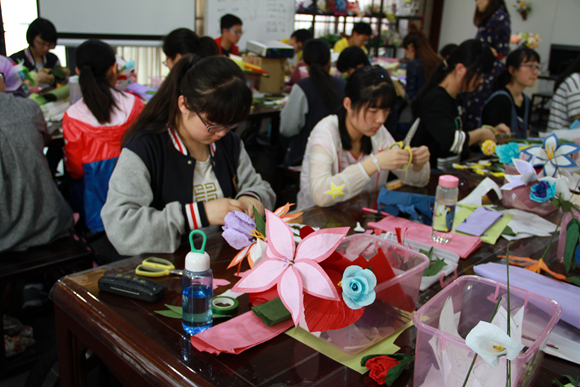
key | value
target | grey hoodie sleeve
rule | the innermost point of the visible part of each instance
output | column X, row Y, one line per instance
column 293, row 116
column 132, row 226
column 251, row 182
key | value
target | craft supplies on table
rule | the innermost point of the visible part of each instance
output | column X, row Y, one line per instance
column 396, row 296
column 442, row 357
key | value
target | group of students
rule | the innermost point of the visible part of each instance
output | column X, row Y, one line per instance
column 149, row 174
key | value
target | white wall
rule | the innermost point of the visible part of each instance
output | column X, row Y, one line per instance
column 557, row 21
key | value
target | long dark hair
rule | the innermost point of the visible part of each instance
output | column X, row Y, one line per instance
column 473, row 54
column 481, row 18
column 215, row 86
column 180, row 41
column 316, row 55
column 94, row 60
column 573, row 68
column 367, row 87
column 423, row 50
column 515, row 60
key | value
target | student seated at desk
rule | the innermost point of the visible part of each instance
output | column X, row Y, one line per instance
column 33, row 211
column 207, row 47
column 231, row 28
column 181, row 168
column 177, row 43
column 297, row 40
column 310, row 100
column 566, row 100
column 351, row 152
column 41, row 37
column 437, row 105
column 360, row 36
column 508, row 104
column 93, row 128
column 350, row 59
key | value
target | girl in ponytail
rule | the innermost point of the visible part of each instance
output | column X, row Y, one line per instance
column 439, row 109
column 93, row 128
column 310, row 100
column 181, row 168
column 508, row 104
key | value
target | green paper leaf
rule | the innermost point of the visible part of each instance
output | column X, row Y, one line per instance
column 555, row 202
column 176, row 309
column 572, row 235
column 260, row 222
column 575, row 280
column 429, row 253
column 58, row 72
column 434, row 268
column 394, row 373
column 508, row 231
column 566, row 206
column 168, row 313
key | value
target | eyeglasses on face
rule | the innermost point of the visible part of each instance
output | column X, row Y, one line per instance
column 239, row 33
column 215, row 128
column 533, row 67
column 43, row 43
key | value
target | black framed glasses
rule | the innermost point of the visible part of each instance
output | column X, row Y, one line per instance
column 215, row 128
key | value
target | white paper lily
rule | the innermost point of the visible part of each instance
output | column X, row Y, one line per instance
column 491, row 343
column 527, row 174
column 551, row 155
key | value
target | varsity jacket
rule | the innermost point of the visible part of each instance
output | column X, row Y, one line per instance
column 150, row 206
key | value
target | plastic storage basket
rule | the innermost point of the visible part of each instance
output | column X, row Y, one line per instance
column 396, row 298
column 442, row 359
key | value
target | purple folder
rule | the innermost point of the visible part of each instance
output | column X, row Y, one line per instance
column 479, row 221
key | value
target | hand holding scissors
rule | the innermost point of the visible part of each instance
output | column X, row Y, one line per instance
column 406, row 143
column 156, row 267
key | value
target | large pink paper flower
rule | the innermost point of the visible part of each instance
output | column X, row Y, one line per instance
column 294, row 269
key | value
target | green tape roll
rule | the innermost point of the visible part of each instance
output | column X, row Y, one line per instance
column 224, row 305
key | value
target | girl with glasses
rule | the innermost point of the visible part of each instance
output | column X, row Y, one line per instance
column 350, row 152
column 439, row 108
column 41, row 38
column 181, row 168
column 508, row 104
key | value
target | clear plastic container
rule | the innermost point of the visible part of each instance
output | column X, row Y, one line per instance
column 443, row 359
column 394, row 312
column 74, row 89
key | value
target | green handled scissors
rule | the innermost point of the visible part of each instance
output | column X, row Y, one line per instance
column 156, row 267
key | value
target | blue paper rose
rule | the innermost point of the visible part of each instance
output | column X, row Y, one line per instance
column 542, row 191
column 237, row 229
column 508, row 152
column 358, row 287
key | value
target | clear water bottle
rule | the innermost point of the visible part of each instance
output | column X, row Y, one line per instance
column 197, row 289
column 444, row 211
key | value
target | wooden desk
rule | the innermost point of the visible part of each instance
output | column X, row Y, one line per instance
column 143, row 348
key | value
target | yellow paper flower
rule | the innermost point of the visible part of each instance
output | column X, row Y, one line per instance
column 488, row 147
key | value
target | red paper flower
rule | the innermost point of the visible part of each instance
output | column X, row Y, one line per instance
column 379, row 367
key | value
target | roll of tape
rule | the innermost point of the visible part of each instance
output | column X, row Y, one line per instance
column 224, row 305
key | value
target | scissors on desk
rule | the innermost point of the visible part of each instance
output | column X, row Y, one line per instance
column 406, row 143
column 156, row 267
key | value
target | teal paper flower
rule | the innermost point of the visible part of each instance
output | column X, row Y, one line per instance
column 358, row 287
column 542, row 191
column 508, row 152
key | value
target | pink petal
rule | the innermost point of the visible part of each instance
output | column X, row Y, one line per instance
column 320, row 244
column 281, row 242
column 316, row 281
column 290, row 292
column 262, row 277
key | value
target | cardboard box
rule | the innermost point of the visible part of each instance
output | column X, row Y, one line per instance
column 274, row 83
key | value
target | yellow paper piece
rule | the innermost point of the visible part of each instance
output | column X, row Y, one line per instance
column 386, row 347
column 492, row 234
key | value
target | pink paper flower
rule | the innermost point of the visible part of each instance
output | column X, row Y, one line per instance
column 294, row 269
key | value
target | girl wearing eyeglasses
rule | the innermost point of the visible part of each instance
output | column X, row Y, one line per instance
column 508, row 104
column 439, row 107
column 41, row 37
column 352, row 152
column 93, row 127
column 180, row 167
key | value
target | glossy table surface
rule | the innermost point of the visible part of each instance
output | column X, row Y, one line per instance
column 144, row 348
